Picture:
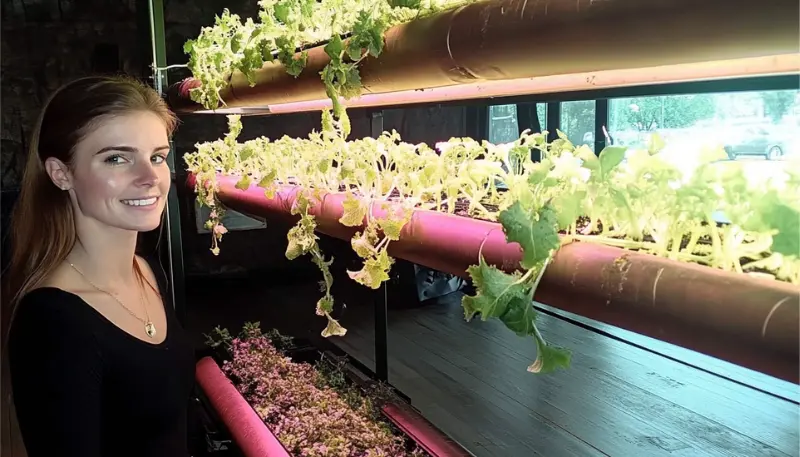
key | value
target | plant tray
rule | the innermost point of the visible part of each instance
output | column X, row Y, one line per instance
column 254, row 437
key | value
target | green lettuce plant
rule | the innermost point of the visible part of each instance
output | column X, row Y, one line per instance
column 631, row 199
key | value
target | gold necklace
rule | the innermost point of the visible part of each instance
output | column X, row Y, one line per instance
column 149, row 328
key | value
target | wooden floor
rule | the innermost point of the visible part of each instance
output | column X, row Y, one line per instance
column 469, row 379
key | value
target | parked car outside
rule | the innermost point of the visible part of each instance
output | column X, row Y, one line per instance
column 755, row 140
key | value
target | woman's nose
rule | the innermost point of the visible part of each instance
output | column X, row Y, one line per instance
column 146, row 174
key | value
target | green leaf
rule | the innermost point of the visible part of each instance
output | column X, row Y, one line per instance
column 188, row 47
column 236, row 42
column 520, row 317
column 266, row 51
column 251, row 62
column 244, row 183
column 334, row 48
column 539, row 171
column 297, row 64
column 354, row 211
column 610, row 157
column 324, row 305
column 352, row 86
column 376, row 41
column 282, row 11
column 536, row 233
column 496, row 289
column 570, row 205
column 246, row 153
column 268, row 179
column 506, row 297
column 549, row 358
column 786, row 221
column 413, row 4
column 354, row 49
column 589, row 158
column 375, row 270
column 368, row 31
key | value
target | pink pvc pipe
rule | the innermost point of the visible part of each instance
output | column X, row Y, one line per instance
column 421, row 240
column 749, row 321
column 422, row 432
column 249, row 432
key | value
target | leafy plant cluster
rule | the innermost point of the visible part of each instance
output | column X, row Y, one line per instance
column 351, row 30
column 632, row 199
column 312, row 410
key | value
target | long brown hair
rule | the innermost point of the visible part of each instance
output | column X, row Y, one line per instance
column 42, row 226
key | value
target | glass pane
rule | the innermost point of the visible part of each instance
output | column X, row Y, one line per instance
column 753, row 126
column 541, row 113
column 503, row 124
column 577, row 122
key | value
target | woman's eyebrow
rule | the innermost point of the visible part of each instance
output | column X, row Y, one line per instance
column 128, row 149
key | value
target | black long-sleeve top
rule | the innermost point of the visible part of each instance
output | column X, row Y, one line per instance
column 83, row 387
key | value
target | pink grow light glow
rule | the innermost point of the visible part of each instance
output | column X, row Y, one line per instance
column 722, row 69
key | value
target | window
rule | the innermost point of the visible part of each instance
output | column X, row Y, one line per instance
column 504, row 122
column 541, row 113
column 753, row 126
column 577, row 122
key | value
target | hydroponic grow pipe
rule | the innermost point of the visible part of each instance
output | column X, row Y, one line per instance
column 788, row 64
column 496, row 40
column 422, row 432
column 249, row 432
column 749, row 321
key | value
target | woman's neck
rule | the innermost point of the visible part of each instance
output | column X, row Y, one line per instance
column 105, row 256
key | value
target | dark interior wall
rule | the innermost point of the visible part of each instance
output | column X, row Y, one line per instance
column 46, row 43
column 428, row 125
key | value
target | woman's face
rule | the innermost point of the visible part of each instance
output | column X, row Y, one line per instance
column 119, row 175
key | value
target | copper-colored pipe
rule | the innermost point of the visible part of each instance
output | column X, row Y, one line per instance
column 785, row 64
column 506, row 39
column 749, row 321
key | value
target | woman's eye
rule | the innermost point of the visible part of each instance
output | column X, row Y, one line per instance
column 158, row 159
column 116, row 159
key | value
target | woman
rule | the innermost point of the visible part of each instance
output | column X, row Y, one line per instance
column 99, row 364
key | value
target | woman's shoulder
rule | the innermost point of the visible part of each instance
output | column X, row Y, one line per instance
column 49, row 312
column 52, row 340
column 48, row 300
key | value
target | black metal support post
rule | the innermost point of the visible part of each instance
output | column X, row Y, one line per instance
column 600, row 121
column 553, row 120
column 173, row 257
column 376, row 123
column 381, row 296
column 381, row 335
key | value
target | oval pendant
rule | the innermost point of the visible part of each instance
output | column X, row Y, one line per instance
column 150, row 329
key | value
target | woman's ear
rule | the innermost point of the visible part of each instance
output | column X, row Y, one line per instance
column 59, row 173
